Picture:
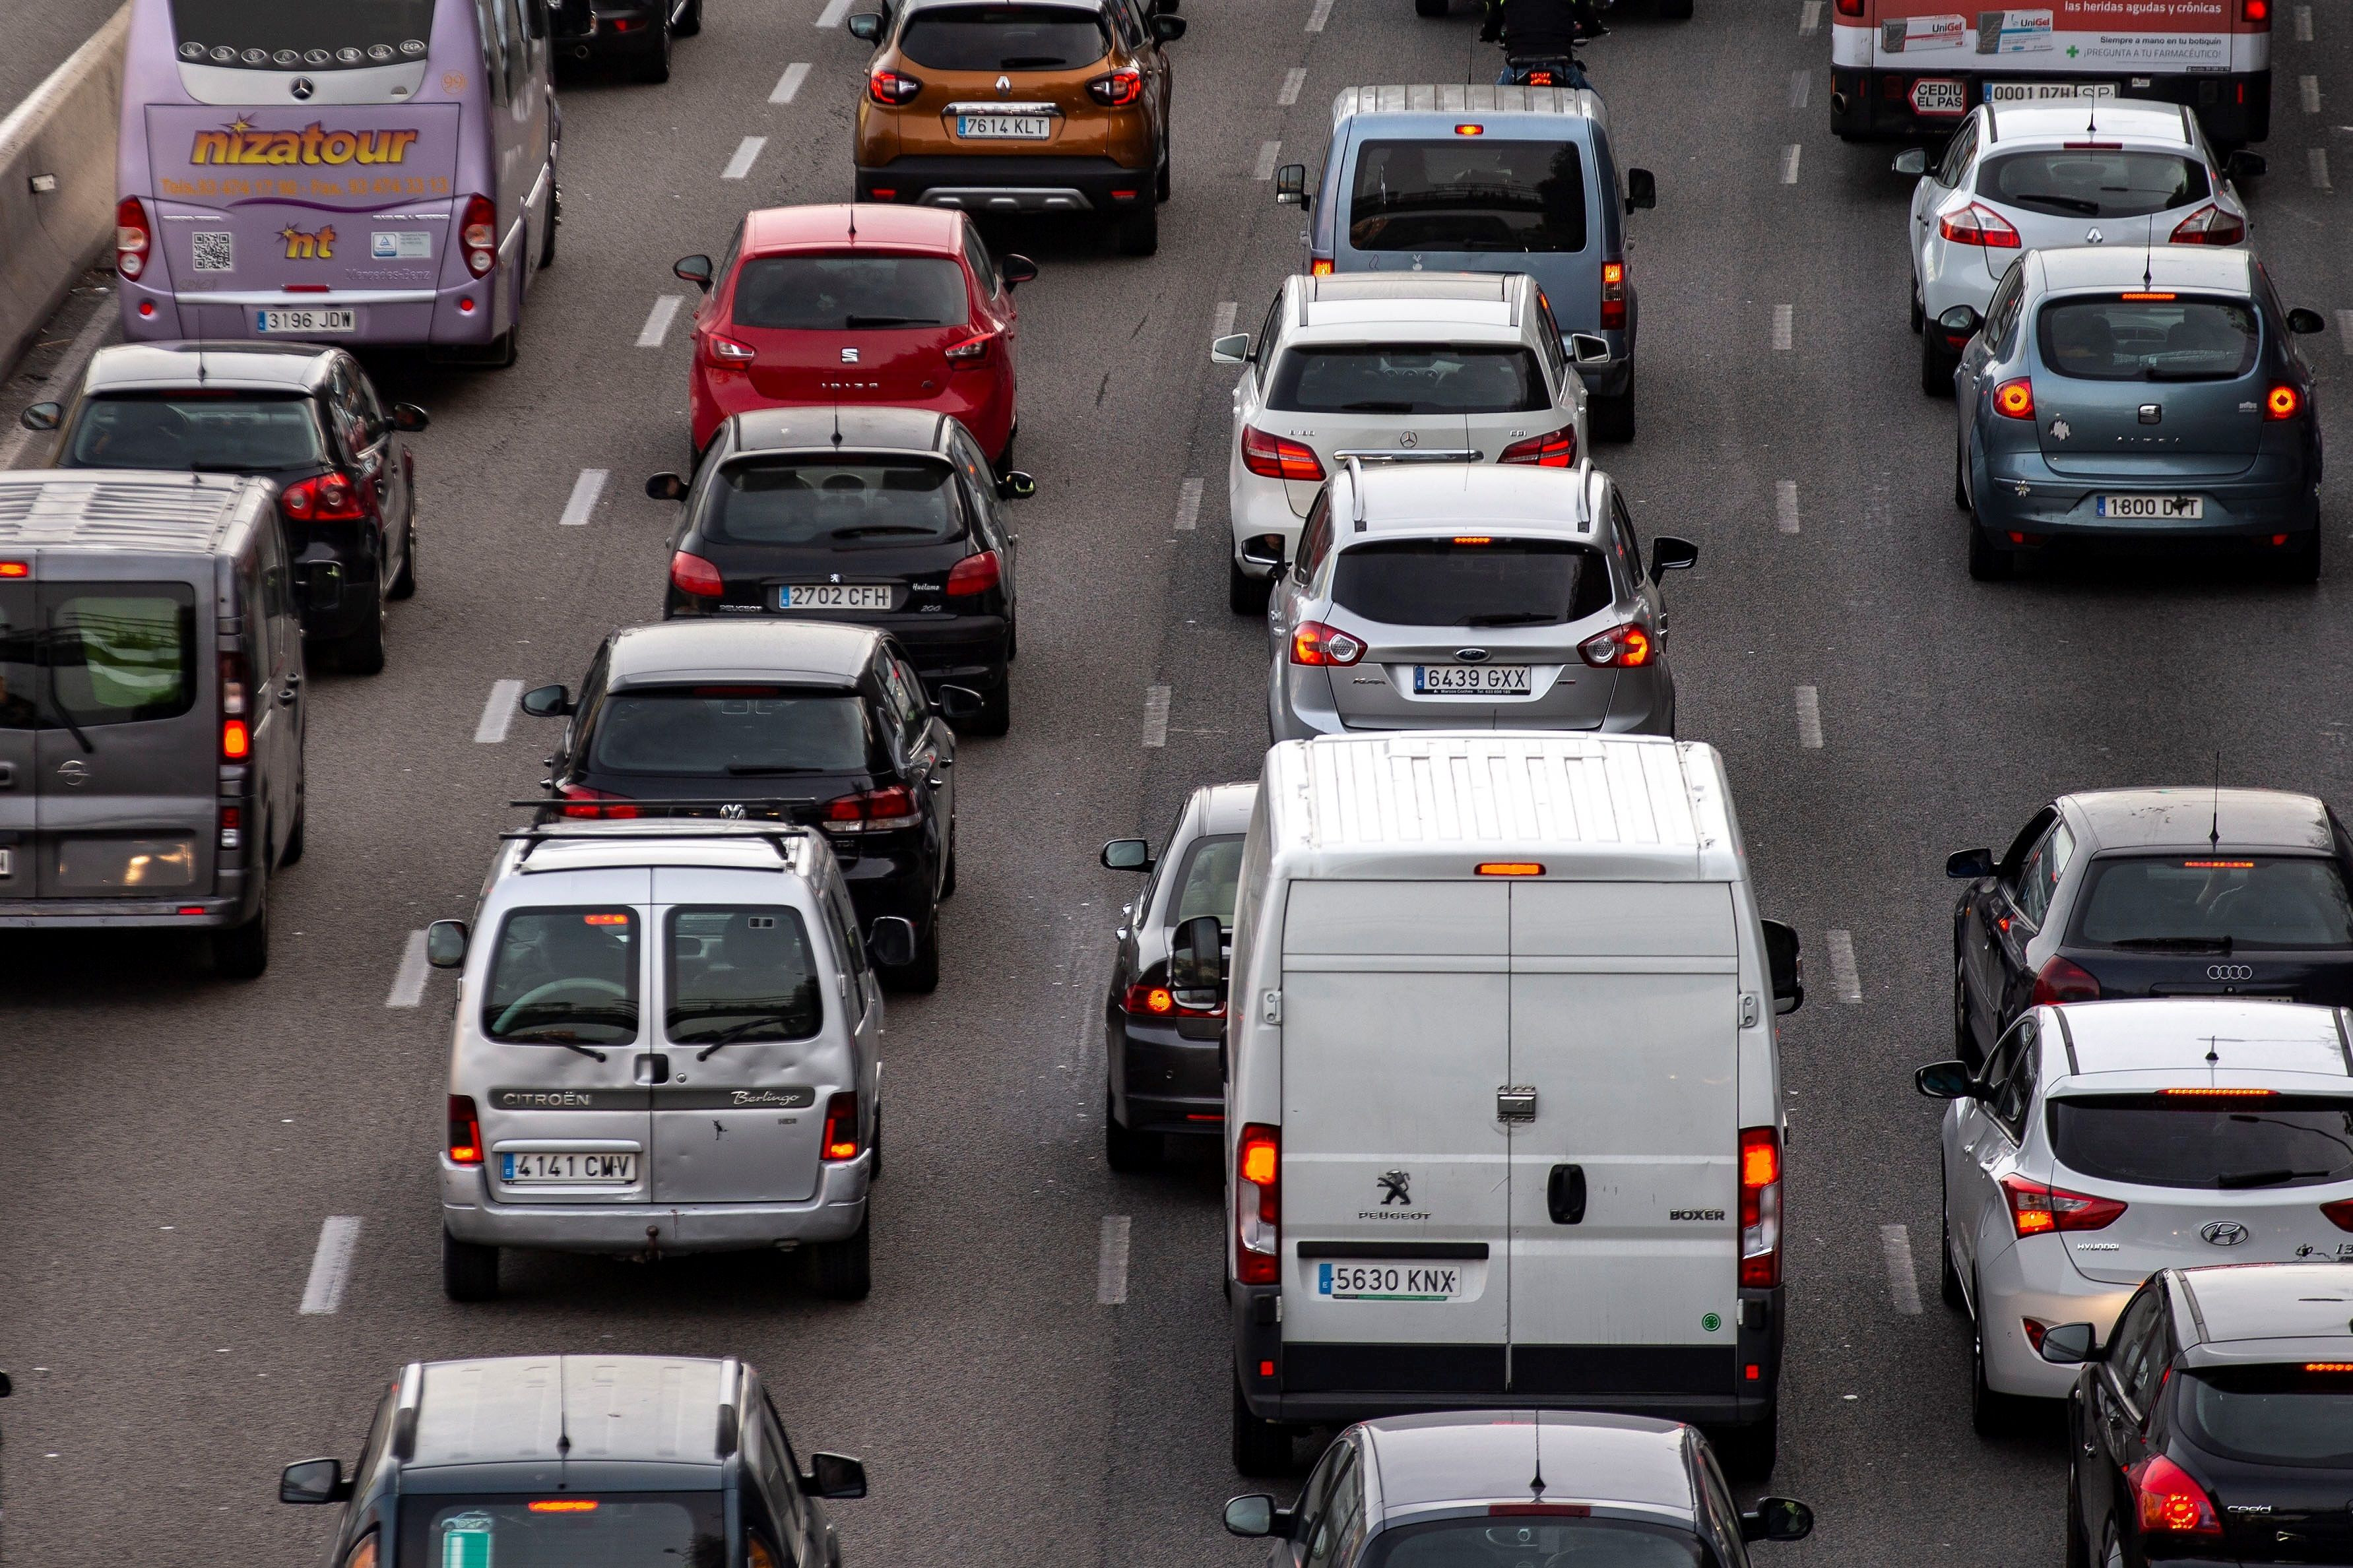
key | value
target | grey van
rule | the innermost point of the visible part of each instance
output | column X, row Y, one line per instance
column 1469, row 178
column 150, row 705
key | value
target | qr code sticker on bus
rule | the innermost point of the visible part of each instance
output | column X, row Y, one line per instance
column 214, row 253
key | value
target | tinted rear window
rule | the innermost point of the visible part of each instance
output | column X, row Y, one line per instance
column 1004, row 38
column 2089, row 182
column 281, row 34
column 2272, row 1415
column 739, row 974
column 833, row 504
column 840, row 293
column 1437, row 583
column 564, row 976
column 212, row 434
column 1409, row 378
column 2149, row 339
column 732, row 731
column 1468, row 192
column 2199, row 902
column 678, row 1529
column 1551, row 1543
column 2276, row 1141
column 122, row 653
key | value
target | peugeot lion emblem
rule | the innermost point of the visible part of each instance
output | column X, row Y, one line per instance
column 2230, row 972
column 1397, row 1187
column 2223, row 1232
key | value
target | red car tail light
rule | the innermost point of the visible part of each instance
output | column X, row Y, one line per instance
column 594, row 813
column 841, row 1126
column 2037, row 1207
column 1258, row 1205
column 1760, row 1208
column 726, row 353
column 2060, row 981
column 1160, row 1002
column 133, row 236
column 464, row 1132
column 893, row 89
column 2014, row 399
column 1554, row 449
column 327, row 497
column 1613, row 296
column 2209, row 225
column 2339, row 1214
column 236, row 701
column 2282, row 402
column 1279, row 457
column 1315, row 643
column 1978, row 224
column 1850, row 8
column 478, row 231
column 973, row 574
column 971, row 351
column 1120, row 89
column 2168, row 1502
column 873, row 811
column 1620, row 648
column 693, row 574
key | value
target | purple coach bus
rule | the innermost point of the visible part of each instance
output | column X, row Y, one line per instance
column 345, row 170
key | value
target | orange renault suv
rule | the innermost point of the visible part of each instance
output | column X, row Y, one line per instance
column 1035, row 106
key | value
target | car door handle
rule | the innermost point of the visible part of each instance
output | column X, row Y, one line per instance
column 1565, row 1195
column 936, row 782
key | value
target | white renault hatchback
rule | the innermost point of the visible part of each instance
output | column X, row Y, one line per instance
column 2105, row 1141
column 1451, row 367
column 2129, row 175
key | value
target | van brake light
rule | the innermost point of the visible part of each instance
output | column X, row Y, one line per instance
column 1760, row 1208
column 1258, row 1205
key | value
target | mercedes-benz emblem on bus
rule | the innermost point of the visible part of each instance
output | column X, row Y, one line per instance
column 2223, row 1232
column 302, row 88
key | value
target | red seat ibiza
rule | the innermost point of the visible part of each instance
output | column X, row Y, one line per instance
column 901, row 306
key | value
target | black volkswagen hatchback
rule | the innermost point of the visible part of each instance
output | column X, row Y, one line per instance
column 880, row 517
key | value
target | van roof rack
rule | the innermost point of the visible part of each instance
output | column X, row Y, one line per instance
column 661, row 819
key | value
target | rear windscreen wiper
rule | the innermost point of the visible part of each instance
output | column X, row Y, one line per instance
column 1515, row 619
column 728, row 1037
column 892, row 321
column 2073, row 203
column 2231, row 1180
column 57, row 703
column 2175, row 943
column 766, row 770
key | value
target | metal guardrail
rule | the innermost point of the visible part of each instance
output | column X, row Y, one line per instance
column 57, row 185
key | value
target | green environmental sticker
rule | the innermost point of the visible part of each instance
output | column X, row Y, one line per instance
column 1711, row 1322
column 466, row 1541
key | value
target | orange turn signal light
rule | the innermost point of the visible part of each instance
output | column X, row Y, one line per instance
column 15, row 569
column 1511, row 868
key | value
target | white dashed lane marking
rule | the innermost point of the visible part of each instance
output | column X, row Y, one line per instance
column 1802, row 88
column 2345, row 328
column 586, row 491
column 1809, row 18
column 1846, row 984
column 1111, row 1261
column 1321, row 14
column 1785, row 326
column 1292, row 81
column 1188, row 506
column 408, row 980
column 1223, row 322
column 498, row 712
column 747, row 152
column 2308, row 88
column 788, row 86
column 659, row 318
column 331, row 1265
column 1785, row 505
column 1155, row 716
column 2304, row 24
column 1789, row 156
column 1810, row 719
column 1903, row 1281
column 835, row 10
column 2317, row 163
column 1268, row 152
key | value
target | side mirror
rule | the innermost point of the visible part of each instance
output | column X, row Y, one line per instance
column 1256, row 1515
column 1016, row 269
column 444, row 944
column 666, row 487
column 1585, row 348
column 547, row 703
column 42, row 417
column 2069, row 1344
column 1787, row 966
column 1166, row 7
column 695, row 270
column 834, row 1476
column 1291, row 185
column 2244, row 165
column 1776, row 1518
column 1231, row 349
column 1641, row 190
column 1015, row 485
column 1264, row 550
column 1968, row 865
column 1669, row 553
column 1959, row 324
column 2299, row 320
column 409, row 417
column 314, row 1481
column 1127, row 854
column 892, row 941
column 1912, row 161
column 866, row 26
column 1168, row 28
column 1196, row 958
column 7, row 1387
column 959, row 702
column 1946, row 1080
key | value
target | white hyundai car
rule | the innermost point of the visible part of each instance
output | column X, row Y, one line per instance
column 1453, row 367
column 2087, row 171
column 2107, row 1140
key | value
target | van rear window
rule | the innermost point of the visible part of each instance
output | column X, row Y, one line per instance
column 564, row 1530
column 847, row 293
column 1409, row 378
column 1438, row 583
column 2213, row 1145
column 1004, row 38
column 2211, row 903
column 289, row 35
column 566, row 976
column 1468, row 192
column 2149, row 339
column 739, row 973
column 122, row 653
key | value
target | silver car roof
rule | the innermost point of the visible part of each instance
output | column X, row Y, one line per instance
column 2243, row 1301
column 1518, row 107
column 1493, row 1456
column 2108, row 119
column 1225, row 808
column 2224, row 268
column 559, row 1407
column 129, row 509
column 2183, row 817
column 2199, row 1041
column 1489, row 497
column 738, row 650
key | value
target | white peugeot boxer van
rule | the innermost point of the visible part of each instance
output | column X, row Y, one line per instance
column 1503, row 1113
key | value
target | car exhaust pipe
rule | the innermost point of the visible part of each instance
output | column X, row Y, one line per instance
column 579, row 51
column 1838, row 103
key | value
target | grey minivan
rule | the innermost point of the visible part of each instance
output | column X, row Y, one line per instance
column 150, row 711
column 1470, row 178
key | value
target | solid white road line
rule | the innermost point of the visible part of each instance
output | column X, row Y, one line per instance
column 1268, row 152
column 2308, row 88
column 498, row 712
column 788, row 86
column 747, row 152
column 2316, row 161
column 659, row 318
column 1809, row 18
column 2304, row 24
column 1224, row 321
column 330, row 1266
column 586, row 491
column 408, row 980
column 1188, row 506
column 1903, row 1282
column 1292, row 81
column 1111, row 1261
column 1810, row 719
column 1785, row 505
column 1155, row 716
column 1321, row 14
column 835, row 10
column 1789, row 156
column 1846, row 984
column 1802, row 88
column 2345, row 326
column 1785, row 326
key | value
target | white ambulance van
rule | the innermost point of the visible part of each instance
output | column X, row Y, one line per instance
column 1503, row 1123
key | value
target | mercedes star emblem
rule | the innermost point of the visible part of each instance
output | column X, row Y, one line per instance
column 1407, row 438
column 302, row 88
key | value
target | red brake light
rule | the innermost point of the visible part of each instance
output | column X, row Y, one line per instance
column 1613, row 295
column 1554, row 449
column 2060, row 981
column 1258, row 1205
column 1120, row 89
column 2256, row 10
column 973, row 575
column 327, row 497
column 237, row 742
column 1850, row 8
column 564, row 1505
column 1978, row 224
column 464, row 1132
column 1760, row 1208
column 727, row 353
column 1620, row 648
column 2282, row 402
column 1160, row 1002
column 2014, row 399
column 2339, row 1214
column 841, row 1126
column 2170, row 1503
column 16, row 568
column 2209, row 225
column 1277, row 458
column 873, row 811
column 477, row 231
column 2036, row 1208
column 133, row 236
column 1315, row 643
column 891, row 89
column 582, row 791
column 971, row 351
column 693, row 574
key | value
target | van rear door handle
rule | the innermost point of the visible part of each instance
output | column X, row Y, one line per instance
column 1565, row 1195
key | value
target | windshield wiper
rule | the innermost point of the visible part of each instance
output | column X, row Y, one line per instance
column 892, row 321
column 1377, row 408
column 567, row 1042
column 1511, row 618
column 768, row 770
column 1030, row 62
column 2231, row 1180
column 2175, row 943
column 2073, row 203
column 728, row 1037
column 57, row 703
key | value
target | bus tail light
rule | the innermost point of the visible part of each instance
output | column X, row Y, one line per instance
column 134, row 237
column 477, row 234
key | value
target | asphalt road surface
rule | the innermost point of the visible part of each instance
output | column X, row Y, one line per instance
column 172, row 1145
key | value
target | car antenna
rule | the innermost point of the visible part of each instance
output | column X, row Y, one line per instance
column 837, row 427
column 2214, row 829
column 1537, row 1486
column 853, row 223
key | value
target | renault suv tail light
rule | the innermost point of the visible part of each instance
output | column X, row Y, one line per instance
column 893, row 89
column 477, row 233
column 2037, row 1208
column 1258, row 1205
column 134, row 237
column 1120, row 89
column 1760, row 1208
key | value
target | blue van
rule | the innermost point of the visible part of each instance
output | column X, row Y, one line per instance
column 1467, row 178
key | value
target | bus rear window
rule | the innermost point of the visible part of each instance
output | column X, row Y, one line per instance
column 301, row 35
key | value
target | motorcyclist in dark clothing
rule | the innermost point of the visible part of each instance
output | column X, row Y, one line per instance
column 1543, row 30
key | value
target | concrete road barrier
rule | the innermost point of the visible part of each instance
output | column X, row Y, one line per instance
column 57, row 185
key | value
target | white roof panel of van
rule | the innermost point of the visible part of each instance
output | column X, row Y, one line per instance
column 1464, row 98
column 120, row 510
column 1608, row 808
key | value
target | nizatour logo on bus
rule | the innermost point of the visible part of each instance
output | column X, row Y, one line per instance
column 240, row 143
